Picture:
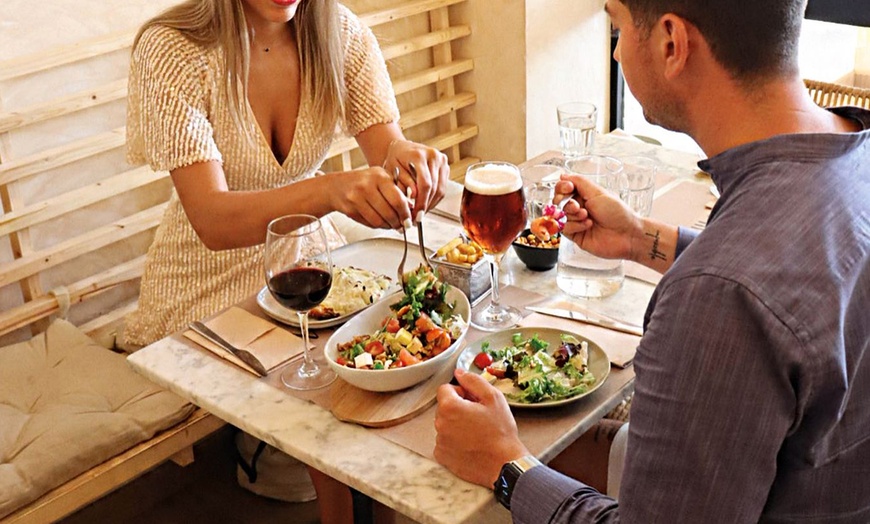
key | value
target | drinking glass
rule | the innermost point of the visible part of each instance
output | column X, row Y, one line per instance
column 493, row 213
column 639, row 183
column 577, row 122
column 299, row 275
column 578, row 272
column 540, row 182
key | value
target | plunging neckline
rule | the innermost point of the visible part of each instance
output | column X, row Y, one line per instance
column 264, row 142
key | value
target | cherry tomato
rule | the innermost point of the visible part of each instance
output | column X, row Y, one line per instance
column 375, row 347
column 496, row 372
column 434, row 333
column 392, row 325
column 424, row 324
column 406, row 358
column 483, row 360
column 341, row 361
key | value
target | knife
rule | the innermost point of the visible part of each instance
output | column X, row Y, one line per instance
column 244, row 355
column 582, row 317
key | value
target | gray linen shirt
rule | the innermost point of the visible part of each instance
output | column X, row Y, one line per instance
column 752, row 398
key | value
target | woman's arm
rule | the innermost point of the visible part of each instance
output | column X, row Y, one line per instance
column 424, row 169
column 226, row 219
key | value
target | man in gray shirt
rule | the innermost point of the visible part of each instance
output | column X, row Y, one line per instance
column 752, row 398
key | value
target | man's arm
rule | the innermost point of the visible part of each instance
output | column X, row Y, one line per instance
column 712, row 406
column 603, row 225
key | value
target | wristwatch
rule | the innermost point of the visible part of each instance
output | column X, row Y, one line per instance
column 507, row 479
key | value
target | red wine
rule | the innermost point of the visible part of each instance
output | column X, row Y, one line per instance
column 301, row 288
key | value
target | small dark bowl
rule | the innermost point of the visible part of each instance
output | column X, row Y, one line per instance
column 536, row 258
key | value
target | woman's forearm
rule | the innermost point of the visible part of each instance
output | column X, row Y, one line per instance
column 226, row 219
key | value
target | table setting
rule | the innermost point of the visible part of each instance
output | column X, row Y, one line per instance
column 335, row 426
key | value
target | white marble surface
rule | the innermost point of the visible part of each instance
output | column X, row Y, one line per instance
column 417, row 487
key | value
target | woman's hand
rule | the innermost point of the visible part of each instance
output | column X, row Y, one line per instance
column 423, row 169
column 371, row 197
column 598, row 221
column 477, row 433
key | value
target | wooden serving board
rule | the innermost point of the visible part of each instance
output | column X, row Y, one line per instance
column 380, row 410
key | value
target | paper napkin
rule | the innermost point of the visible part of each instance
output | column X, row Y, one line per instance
column 271, row 344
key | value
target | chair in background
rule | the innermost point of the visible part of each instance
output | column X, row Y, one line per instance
column 832, row 95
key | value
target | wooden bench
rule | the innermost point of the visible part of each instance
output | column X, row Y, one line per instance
column 77, row 219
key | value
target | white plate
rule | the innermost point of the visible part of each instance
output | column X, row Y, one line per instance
column 598, row 362
column 380, row 255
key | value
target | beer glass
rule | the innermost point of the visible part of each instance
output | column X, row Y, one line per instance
column 493, row 213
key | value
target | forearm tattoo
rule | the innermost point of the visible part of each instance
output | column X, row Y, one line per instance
column 654, row 252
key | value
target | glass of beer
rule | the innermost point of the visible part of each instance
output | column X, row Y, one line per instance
column 493, row 213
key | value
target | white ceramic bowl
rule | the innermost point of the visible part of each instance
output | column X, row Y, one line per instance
column 368, row 322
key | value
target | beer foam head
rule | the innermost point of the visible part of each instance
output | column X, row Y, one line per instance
column 493, row 179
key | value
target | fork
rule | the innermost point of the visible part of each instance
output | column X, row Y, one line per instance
column 420, row 228
column 401, row 271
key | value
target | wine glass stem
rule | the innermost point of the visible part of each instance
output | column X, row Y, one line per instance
column 495, row 261
column 308, row 366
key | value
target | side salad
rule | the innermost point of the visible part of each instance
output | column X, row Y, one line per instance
column 421, row 326
column 527, row 372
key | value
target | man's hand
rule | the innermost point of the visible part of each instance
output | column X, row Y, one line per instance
column 598, row 221
column 477, row 433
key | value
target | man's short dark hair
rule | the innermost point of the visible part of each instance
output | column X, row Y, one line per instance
column 753, row 39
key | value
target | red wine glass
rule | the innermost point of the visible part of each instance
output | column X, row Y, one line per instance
column 299, row 275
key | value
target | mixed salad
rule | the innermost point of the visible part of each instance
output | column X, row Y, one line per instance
column 421, row 326
column 526, row 372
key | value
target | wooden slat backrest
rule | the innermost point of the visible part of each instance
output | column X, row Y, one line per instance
column 82, row 231
column 828, row 94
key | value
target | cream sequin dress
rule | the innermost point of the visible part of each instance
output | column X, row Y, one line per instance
column 176, row 118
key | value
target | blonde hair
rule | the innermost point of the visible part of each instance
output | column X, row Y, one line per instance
column 221, row 24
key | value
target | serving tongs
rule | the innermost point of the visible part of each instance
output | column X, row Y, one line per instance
column 401, row 271
column 421, row 245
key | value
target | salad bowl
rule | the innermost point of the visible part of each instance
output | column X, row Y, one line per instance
column 370, row 321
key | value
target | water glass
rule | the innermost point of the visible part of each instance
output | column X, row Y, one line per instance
column 540, row 182
column 577, row 121
column 638, row 183
column 579, row 273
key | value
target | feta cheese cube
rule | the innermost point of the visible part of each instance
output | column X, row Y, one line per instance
column 362, row 360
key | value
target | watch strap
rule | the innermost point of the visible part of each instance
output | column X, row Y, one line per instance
column 507, row 479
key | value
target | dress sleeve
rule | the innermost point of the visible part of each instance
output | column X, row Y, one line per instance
column 167, row 113
column 370, row 96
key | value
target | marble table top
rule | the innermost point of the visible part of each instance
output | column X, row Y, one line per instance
column 412, row 484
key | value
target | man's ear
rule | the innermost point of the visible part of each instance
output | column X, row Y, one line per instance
column 673, row 44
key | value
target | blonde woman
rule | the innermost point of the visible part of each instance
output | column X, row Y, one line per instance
column 239, row 100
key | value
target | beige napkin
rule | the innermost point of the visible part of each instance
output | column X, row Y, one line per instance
column 449, row 205
column 271, row 344
column 620, row 347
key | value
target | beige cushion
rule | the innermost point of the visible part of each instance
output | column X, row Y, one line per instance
column 66, row 405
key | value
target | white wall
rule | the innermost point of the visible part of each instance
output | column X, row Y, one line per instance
column 529, row 55
column 28, row 27
column 568, row 58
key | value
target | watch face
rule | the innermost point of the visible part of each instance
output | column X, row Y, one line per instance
column 504, row 485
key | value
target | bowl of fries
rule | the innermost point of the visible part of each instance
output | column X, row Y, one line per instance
column 460, row 263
